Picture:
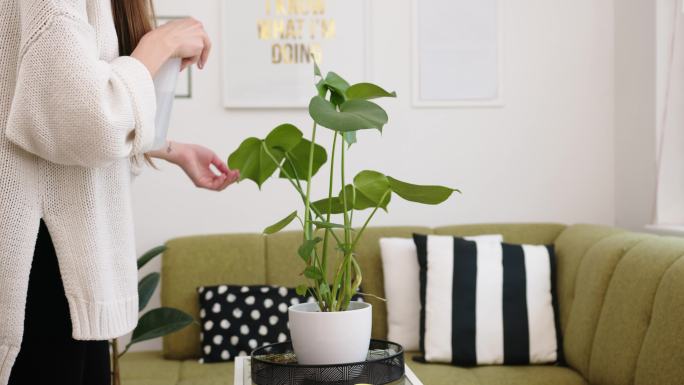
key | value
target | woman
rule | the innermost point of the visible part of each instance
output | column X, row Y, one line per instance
column 77, row 109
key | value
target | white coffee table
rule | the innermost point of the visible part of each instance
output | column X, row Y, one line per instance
column 243, row 373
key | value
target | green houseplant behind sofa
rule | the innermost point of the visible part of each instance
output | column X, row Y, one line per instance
column 621, row 299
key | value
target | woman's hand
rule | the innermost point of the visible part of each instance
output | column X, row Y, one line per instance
column 196, row 162
column 183, row 38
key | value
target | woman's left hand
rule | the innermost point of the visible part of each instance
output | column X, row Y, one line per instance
column 196, row 162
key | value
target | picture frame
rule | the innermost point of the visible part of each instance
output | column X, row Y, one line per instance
column 249, row 82
column 482, row 91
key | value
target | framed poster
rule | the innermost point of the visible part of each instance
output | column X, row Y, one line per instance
column 269, row 45
column 457, row 53
column 184, row 84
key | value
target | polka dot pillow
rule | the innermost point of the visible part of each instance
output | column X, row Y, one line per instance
column 237, row 319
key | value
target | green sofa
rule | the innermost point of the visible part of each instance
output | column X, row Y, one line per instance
column 621, row 300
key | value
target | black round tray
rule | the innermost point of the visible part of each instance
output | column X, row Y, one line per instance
column 277, row 365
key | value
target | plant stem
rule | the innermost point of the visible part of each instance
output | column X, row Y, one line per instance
column 282, row 169
column 307, row 203
column 353, row 204
column 365, row 224
column 315, row 260
column 309, row 210
column 324, row 266
column 347, row 226
column 308, row 226
column 299, row 190
column 336, row 285
column 346, row 293
column 296, row 178
column 317, row 285
column 116, row 375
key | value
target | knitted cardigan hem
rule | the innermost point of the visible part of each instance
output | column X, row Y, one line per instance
column 8, row 354
column 102, row 320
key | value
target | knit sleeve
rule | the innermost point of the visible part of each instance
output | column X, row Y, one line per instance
column 72, row 108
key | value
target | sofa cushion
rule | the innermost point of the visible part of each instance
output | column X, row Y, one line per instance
column 571, row 247
column 439, row 374
column 527, row 375
column 205, row 260
column 595, row 272
column 150, row 368
column 639, row 312
column 531, row 233
column 194, row 373
column 661, row 360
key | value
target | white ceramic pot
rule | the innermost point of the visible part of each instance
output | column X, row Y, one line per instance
column 325, row 338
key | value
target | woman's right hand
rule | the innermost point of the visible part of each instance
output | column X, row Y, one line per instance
column 183, row 38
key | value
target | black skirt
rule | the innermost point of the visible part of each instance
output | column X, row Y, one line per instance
column 49, row 355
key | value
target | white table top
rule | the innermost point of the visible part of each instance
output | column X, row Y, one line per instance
column 243, row 373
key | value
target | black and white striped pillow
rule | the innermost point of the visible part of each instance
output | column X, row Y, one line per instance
column 487, row 303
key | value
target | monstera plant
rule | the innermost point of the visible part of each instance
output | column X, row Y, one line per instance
column 345, row 110
column 154, row 323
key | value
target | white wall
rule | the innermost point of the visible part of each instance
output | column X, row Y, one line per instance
column 548, row 155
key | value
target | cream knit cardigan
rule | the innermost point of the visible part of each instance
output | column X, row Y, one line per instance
column 72, row 113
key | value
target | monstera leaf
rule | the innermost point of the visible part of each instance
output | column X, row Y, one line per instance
column 254, row 162
column 373, row 185
column 353, row 115
column 284, row 137
column 339, row 115
column 359, row 201
column 281, row 224
column 374, row 189
column 430, row 195
column 297, row 163
column 336, row 83
column 329, row 206
column 257, row 159
column 367, row 91
column 307, row 248
column 333, row 83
